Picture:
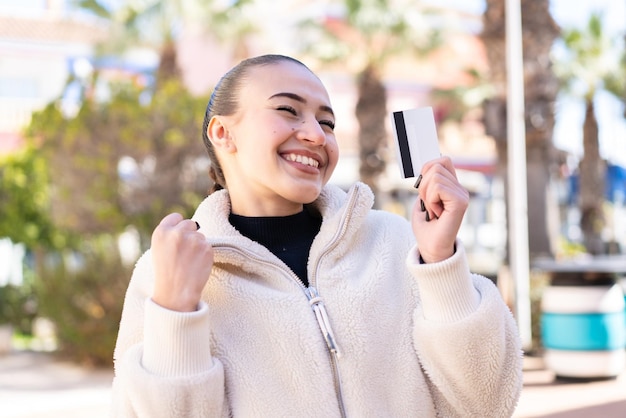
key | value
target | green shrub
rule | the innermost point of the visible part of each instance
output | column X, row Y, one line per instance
column 83, row 293
column 17, row 307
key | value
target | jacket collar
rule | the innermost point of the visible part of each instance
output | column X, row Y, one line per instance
column 342, row 213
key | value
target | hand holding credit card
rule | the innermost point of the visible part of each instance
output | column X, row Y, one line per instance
column 416, row 139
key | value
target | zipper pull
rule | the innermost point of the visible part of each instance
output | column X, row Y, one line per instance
column 322, row 319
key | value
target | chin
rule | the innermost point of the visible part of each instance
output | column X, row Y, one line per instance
column 307, row 194
column 310, row 198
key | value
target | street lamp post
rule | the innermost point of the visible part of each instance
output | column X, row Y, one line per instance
column 516, row 190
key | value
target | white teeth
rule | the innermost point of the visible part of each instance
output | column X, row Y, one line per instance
column 302, row 160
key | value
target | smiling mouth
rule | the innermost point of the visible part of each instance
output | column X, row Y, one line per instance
column 302, row 159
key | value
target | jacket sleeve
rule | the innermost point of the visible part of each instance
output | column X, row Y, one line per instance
column 163, row 363
column 466, row 339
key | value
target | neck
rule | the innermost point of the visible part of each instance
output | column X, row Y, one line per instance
column 256, row 208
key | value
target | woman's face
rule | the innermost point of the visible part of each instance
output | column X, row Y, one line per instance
column 281, row 148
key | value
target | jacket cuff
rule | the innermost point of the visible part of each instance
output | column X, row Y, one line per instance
column 176, row 343
column 446, row 288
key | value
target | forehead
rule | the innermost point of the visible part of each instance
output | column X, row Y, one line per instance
column 267, row 80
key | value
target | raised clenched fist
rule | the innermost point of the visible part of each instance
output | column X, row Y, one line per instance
column 182, row 260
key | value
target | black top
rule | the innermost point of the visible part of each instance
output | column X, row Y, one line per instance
column 287, row 237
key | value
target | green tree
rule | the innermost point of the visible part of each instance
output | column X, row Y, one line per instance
column 25, row 219
column 590, row 63
column 24, row 200
column 127, row 161
column 364, row 36
column 82, row 292
column 539, row 31
column 122, row 162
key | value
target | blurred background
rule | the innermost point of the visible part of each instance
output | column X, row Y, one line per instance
column 101, row 108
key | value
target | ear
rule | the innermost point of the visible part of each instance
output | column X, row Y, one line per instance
column 219, row 135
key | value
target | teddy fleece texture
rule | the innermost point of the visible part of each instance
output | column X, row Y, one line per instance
column 413, row 340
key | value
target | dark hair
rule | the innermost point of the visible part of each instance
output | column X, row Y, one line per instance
column 225, row 101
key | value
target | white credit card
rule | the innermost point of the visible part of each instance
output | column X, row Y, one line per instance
column 416, row 139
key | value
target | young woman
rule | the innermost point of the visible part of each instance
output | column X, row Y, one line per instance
column 296, row 299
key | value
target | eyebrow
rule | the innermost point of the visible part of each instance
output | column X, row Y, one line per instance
column 301, row 99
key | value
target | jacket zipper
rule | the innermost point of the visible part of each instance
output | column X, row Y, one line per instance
column 322, row 319
column 318, row 306
column 316, row 301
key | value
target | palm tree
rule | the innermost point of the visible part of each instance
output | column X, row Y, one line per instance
column 540, row 89
column 133, row 24
column 366, row 35
column 588, row 64
column 156, row 24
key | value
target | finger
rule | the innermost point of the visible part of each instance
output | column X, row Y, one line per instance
column 434, row 175
column 434, row 200
column 442, row 193
column 187, row 225
column 444, row 162
column 172, row 219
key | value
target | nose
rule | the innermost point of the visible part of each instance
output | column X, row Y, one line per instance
column 311, row 131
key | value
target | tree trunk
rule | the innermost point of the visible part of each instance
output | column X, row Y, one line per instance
column 591, row 176
column 541, row 87
column 371, row 110
column 168, row 63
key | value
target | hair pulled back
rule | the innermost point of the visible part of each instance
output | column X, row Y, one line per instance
column 224, row 101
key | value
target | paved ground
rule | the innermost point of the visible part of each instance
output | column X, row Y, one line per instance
column 546, row 397
column 33, row 385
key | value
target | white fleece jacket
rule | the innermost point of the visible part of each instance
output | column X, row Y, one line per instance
column 413, row 340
